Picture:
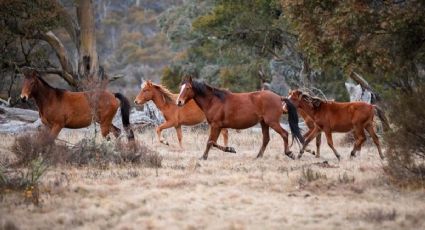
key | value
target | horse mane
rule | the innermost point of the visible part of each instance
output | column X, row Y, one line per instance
column 315, row 101
column 168, row 95
column 44, row 82
column 201, row 88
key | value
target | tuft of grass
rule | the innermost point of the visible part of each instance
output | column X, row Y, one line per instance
column 309, row 175
column 346, row 179
column 379, row 215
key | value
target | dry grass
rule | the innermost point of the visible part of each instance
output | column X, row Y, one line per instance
column 230, row 191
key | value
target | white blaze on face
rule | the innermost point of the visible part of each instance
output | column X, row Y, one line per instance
column 181, row 91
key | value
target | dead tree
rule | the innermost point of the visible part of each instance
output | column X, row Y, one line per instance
column 376, row 98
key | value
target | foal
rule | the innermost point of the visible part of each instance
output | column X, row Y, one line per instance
column 60, row 108
column 337, row 117
column 224, row 109
column 189, row 114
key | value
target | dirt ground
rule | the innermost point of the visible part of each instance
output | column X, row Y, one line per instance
column 228, row 191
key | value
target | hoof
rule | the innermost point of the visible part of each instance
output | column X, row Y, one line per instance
column 290, row 155
column 317, row 156
column 259, row 156
column 203, row 158
column 230, row 150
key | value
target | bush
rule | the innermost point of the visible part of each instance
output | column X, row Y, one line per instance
column 86, row 152
column 406, row 142
column 26, row 178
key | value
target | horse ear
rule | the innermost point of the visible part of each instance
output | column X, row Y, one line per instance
column 190, row 79
column 149, row 83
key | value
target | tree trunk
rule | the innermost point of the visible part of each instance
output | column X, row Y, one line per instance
column 88, row 65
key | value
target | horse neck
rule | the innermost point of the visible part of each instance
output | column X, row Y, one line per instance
column 43, row 96
column 307, row 109
column 160, row 100
column 204, row 101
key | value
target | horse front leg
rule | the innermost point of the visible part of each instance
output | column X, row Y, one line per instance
column 179, row 135
column 331, row 144
column 318, row 142
column 225, row 134
column 212, row 139
column 159, row 129
column 310, row 137
column 54, row 132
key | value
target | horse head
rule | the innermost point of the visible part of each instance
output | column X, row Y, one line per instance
column 29, row 84
column 186, row 91
column 145, row 94
column 299, row 97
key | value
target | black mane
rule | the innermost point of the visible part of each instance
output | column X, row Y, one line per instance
column 202, row 88
column 44, row 82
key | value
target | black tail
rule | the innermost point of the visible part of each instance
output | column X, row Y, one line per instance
column 293, row 121
column 125, row 115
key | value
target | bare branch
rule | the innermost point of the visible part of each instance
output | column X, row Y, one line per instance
column 59, row 49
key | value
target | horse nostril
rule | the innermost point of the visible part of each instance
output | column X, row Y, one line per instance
column 135, row 102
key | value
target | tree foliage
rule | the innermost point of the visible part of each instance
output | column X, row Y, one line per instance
column 383, row 39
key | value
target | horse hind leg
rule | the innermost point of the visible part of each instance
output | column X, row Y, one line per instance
column 360, row 139
column 284, row 134
column 372, row 133
column 266, row 138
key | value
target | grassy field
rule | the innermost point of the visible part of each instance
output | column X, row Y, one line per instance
column 228, row 191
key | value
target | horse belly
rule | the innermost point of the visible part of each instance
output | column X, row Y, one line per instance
column 241, row 120
column 78, row 120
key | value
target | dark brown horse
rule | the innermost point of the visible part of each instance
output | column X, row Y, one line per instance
column 337, row 117
column 60, row 108
column 189, row 114
column 224, row 109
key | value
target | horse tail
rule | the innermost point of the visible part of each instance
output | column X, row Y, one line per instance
column 383, row 118
column 125, row 114
column 293, row 121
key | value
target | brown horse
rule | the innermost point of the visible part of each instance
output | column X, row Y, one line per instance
column 337, row 117
column 224, row 109
column 60, row 108
column 189, row 114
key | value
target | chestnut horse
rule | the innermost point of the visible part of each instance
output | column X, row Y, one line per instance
column 189, row 114
column 337, row 117
column 224, row 109
column 60, row 108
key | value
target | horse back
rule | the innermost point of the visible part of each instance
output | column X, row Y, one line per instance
column 343, row 116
